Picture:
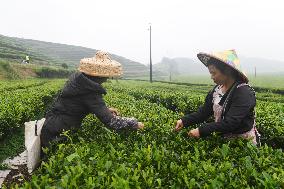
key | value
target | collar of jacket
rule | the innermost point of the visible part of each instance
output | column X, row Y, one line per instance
column 90, row 84
column 78, row 84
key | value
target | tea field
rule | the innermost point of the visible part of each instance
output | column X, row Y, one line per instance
column 156, row 157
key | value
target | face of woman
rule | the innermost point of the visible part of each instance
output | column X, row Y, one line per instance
column 216, row 75
column 102, row 80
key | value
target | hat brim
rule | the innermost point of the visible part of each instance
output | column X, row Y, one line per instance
column 112, row 69
column 99, row 75
column 204, row 58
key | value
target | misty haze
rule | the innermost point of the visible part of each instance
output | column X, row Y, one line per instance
column 142, row 94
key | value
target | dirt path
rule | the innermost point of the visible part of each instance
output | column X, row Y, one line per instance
column 17, row 172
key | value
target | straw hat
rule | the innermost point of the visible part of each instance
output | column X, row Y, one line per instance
column 228, row 57
column 101, row 65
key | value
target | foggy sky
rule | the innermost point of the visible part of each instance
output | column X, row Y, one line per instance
column 180, row 28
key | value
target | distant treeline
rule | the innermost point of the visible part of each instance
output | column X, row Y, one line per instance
column 257, row 89
column 14, row 70
column 48, row 72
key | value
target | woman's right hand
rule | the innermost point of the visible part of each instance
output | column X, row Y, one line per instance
column 140, row 125
column 179, row 125
column 114, row 111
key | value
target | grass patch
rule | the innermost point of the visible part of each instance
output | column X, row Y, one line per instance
column 272, row 81
column 7, row 70
column 4, row 167
column 12, row 144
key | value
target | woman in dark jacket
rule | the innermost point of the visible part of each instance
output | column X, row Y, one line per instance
column 82, row 95
column 231, row 101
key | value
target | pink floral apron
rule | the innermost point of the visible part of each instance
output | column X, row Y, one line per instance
column 217, row 109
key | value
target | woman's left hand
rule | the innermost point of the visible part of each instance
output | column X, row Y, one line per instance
column 194, row 133
column 114, row 111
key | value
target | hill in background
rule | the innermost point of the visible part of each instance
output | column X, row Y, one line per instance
column 180, row 66
column 187, row 66
column 14, row 49
column 54, row 54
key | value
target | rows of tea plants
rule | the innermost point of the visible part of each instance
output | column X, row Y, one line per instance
column 24, row 101
column 9, row 85
column 270, row 97
column 171, row 98
column 157, row 157
column 269, row 113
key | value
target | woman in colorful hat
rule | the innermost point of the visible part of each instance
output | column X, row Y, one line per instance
column 231, row 101
column 82, row 95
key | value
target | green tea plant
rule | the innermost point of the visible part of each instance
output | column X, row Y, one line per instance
column 157, row 157
column 26, row 103
column 269, row 111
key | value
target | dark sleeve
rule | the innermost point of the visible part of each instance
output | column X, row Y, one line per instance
column 203, row 113
column 242, row 104
column 97, row 106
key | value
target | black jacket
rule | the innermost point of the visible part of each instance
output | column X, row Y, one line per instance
column 80, row 96
column 237, row 116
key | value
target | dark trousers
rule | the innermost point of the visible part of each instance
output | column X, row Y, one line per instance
column 54, row 125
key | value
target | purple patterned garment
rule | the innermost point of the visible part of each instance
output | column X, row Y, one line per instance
column 118, row 123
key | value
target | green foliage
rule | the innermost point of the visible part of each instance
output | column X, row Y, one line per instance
column 262, row 83
column 157, row 157
column 24, row 102
column 4, row 167
column 10, row 70
column 49, row 72
column 7, row 70
column 64, row 65
column 13, row 143
column 183, row 99
column 54, row 54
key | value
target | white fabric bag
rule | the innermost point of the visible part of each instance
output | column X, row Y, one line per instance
column 32, row 143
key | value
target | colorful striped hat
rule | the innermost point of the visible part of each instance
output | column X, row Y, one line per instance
column 228, row 57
